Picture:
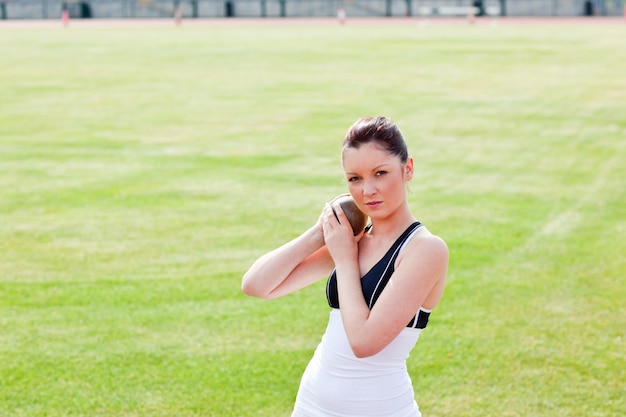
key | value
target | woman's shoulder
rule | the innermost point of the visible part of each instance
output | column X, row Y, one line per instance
column 427, row 244
column 425, row 262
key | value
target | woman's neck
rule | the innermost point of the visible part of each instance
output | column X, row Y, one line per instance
column 393, row 225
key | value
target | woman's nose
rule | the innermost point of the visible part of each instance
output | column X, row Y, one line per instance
column 368, row 188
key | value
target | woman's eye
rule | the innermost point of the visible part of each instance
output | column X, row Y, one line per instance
column 353, row 179
column 379, row 173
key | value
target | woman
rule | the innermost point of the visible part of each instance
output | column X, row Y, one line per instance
column 383, row 283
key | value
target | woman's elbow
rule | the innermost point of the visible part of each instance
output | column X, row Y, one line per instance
column 248, row 288
column 364, row 350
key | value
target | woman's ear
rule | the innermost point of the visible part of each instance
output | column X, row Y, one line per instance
column 408, row 169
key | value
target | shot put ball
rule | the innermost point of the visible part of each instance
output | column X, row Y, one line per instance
column 357, row 219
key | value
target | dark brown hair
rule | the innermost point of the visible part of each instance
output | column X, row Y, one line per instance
column 379, row 130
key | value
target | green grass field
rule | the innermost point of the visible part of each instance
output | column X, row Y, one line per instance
column 142, row 170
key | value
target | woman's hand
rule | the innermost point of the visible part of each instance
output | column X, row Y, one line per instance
column 338, row 235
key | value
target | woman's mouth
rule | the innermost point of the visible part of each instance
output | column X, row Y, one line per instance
column 373, row 204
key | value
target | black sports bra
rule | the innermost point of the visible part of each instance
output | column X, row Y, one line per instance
column 375, row 280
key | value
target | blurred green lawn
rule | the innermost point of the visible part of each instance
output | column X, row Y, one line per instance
column 142, row 170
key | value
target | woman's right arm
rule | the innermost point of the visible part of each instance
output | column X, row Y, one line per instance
column 290, row 267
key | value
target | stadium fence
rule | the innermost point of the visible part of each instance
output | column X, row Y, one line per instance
column 146, row 9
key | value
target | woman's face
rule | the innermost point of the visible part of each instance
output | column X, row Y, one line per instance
column 376, row 179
